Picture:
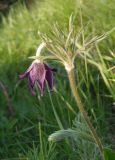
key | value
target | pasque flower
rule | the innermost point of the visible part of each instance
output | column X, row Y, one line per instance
column 38, row 73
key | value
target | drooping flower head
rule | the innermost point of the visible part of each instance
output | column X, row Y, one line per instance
column 38, row 73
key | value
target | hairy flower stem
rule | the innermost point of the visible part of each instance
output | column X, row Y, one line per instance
column 82, row 110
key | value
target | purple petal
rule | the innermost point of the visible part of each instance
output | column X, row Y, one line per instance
column 37, row 75
column 41, row 86
column 25, row 74
column 31, row 85
column 21, row 76
column 49, row 76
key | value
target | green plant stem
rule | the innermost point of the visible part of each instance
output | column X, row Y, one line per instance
column 82, row 110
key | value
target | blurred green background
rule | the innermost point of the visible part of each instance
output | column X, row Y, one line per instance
column 26, row 121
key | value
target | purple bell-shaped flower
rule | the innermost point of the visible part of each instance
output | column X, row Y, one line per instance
column 38, row 73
